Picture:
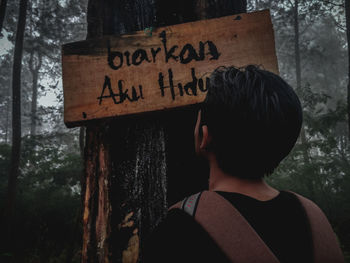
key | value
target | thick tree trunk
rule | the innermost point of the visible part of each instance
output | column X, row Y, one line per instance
column 136, row 166
column 34, row 68
column 16, row 120
column 3, row 5
column 347, row 14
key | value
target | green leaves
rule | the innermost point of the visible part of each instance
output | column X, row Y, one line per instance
column 48, row 197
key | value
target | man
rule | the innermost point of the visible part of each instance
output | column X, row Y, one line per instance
column 248, row 123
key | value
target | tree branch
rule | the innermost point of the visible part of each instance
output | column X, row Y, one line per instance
column 333, row 4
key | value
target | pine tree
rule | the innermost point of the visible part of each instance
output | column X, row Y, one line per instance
column 16, row 122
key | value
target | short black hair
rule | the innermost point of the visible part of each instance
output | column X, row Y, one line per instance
column 254, row 118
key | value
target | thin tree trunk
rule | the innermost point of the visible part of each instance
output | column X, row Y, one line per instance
column 296, row 44
column 8, row 102
column 33, row 114
column 135, row 166
column 3, row 5
column 347, row 14
column 298, row 72
column 34, row 68
column 16, row 121
column 303, row 139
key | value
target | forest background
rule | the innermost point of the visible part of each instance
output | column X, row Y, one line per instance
column 312, row 51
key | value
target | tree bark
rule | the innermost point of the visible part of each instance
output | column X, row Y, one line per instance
column 136, row 166
column 347, row 15
column 16, row 121
column 3, row 5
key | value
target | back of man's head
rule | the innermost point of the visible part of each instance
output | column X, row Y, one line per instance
column 254, row 118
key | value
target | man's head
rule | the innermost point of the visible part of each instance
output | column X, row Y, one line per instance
column 250, row 120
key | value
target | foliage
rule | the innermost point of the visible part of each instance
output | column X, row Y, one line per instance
column 319, row 167
column 325, row 179
column 49, row 25
column 48, row 198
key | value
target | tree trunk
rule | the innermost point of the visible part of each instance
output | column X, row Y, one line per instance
column 347, row 15
column 3, row 5
column 303, row 139
column 136, row 166
column 34, row 68
column 16, row 121
column 8, row 112
column 296, row 44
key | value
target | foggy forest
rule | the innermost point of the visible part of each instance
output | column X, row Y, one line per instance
column 42, row 167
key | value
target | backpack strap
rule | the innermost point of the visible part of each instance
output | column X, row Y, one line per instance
column 222, row 221
column 325, row 244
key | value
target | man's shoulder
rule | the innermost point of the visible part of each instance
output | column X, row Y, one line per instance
column 180, row 236
column 176, row 223
column 306, row 203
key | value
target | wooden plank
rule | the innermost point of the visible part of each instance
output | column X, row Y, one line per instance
column 134, row 73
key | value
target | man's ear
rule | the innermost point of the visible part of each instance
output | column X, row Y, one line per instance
column 206, row 138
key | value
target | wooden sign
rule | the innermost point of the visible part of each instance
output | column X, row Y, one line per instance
column 160, row 69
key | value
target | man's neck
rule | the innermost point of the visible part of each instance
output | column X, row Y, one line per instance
column 221, row 181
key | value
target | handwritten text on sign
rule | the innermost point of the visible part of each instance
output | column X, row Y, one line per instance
column 135, row 73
